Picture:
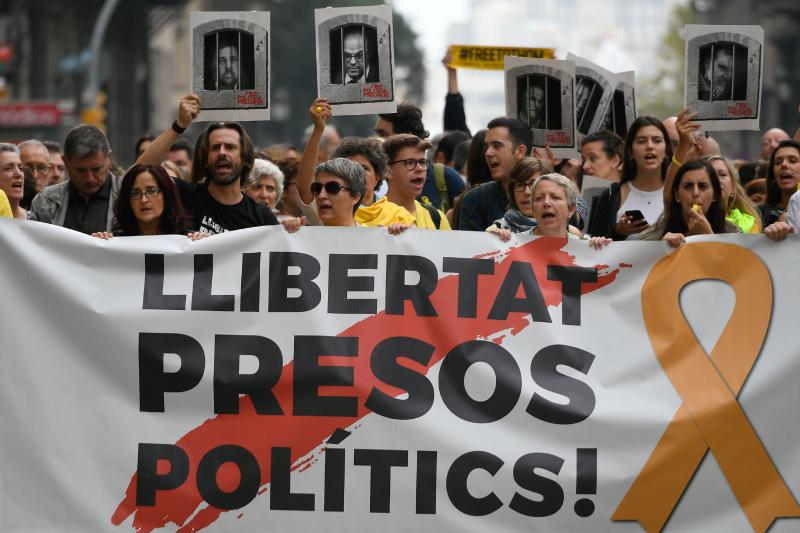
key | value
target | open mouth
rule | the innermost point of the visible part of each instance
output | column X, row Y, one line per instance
column 650, row 158
column 548, row 216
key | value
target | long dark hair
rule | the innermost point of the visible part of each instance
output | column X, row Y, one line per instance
column 629, row 170
column 477, row 168
column 715, row 214
column 174, row 219
column 774, row 197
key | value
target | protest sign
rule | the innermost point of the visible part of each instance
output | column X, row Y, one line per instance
column 355, row 59
column 491, row 57
column 723, row 75
column 230, row 54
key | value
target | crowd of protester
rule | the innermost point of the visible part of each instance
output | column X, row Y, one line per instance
column 664, row 181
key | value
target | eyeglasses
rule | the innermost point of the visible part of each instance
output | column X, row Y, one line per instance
column 411, row 164
column 150, row 192
column 332, row 188
column 521, row 186
column 41, row 168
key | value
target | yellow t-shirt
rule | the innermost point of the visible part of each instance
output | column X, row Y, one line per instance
column 425, row 221
column 5, row 206
column 382, row 213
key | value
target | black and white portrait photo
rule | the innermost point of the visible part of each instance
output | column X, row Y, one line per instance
column 354, row 54
column 723, row 75
column 230, row 64
column 621, row 109
column 541, row 92
column 539, row 101
column 355, row 64
column 594, row 88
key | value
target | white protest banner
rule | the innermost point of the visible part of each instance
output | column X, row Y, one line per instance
column 348, row 380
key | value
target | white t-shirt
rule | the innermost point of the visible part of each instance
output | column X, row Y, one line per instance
column 650, row 203
column 793, row 212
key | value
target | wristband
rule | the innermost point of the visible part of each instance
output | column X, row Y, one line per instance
column 177, row 129
column 676, row 162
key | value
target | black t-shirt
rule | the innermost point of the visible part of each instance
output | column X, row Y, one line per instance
column 213, row 217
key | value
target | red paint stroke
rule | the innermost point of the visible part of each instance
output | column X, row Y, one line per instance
column 625, row 265
column 259, row 433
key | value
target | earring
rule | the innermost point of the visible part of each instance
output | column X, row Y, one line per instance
column 731, row 201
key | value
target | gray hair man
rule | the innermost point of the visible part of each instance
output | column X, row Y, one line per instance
column 327, row 145
column 36, row 159
column 85, row 202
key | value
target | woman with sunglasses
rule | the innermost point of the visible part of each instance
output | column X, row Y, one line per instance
column 338, row 187
column 149, row 204
column 379, row 213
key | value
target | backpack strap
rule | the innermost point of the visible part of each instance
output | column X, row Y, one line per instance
column 441, row 186
column 435, row 215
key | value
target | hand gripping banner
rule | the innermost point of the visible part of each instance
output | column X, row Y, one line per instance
column 710, row 417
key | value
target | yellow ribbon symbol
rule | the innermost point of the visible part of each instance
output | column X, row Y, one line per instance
column 710, row 416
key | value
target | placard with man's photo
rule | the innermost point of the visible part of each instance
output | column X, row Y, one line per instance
column 541, row 92
column 355, row 59
column 230, row 54
column 621, row 109
column 594, row 89
column 723, row 75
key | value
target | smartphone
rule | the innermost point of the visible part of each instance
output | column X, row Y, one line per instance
column 635, row 215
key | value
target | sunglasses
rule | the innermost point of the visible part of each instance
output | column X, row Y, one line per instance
column 332, row 188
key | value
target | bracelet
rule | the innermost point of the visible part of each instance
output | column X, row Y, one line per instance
column 177, row 129
column 675, row 162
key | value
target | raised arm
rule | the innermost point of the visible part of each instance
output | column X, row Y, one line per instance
column 454, row 117
column 158, row 150
column 319, row 112
column 686, row 129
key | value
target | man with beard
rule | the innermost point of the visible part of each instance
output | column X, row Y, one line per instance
column 228, row 63
column 223, row 159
